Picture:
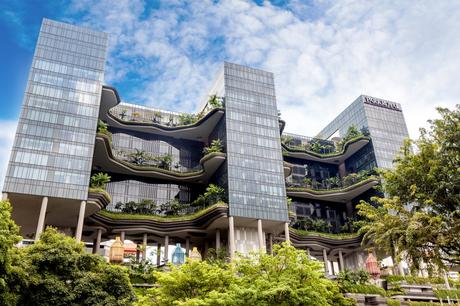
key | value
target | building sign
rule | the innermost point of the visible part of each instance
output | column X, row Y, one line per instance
column 382, row 103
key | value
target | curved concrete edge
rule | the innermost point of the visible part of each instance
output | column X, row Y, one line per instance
column 287, row 167
column 339, row 195
column 198, row 131
column 105, row 160
column 350, row 148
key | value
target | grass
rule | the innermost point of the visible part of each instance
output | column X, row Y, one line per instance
column 121, row 216
column 333, row 190
column 326, row 235
column 326, row 155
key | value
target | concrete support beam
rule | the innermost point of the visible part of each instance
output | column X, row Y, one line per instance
column 98, row 241
column 166, row 257
column 4, row 196
column 144, row 247
column 286, row 231
column 349, row 209
column 326, row 262
column 217, row 239
column 342, row 170
column 231, row 237
column 270, row 243
column 341, row 264
column 158, row 254
column 81, row 218
column 122, row 236
column 187, row 246
column 260, row 234
column 41, row 218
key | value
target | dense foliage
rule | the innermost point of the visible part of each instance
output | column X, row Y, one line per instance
column 216, row 146
column 99, row 180
column 288, row 277
column 420, row 218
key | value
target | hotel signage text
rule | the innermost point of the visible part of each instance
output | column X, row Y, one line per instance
column 382, row 103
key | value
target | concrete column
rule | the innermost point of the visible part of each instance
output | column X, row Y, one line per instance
column 187, row 246
column 4, row 196
column 308, row 252
column 122, row 236
column 326, row 262
column 98, row 241
column 144, row 247
column 270, row 243
column 286, row 231
column 342, row 170
column 261, row 235
column 158, row 254
column 349, row 208
column 41, row 218
column 341, row 265
column 81, row 218
column 231, row 237
column 217, row 239
column 166, row 249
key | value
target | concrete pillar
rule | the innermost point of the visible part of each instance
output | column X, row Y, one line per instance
column 270, row 243
column 217, row 239
column 166, row 249
column 187, row 246
column 41, row 218
column 122, row 236
column 144, row 247
column 231, row 237
column 81, row 218
column 349, row 208
column 342, row 170
column 308, row 252
column 4, row 196
column 326, row 262
column 341, row 265
column 158, row 254
column 98, row 241
column 260, row 234
column 286, row 231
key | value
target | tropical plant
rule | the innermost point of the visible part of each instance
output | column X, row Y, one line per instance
column 99, row 180
column 157, row 116
column 186, row 119
column 312, row 224
column 333, row 182
column 216, row 146
column 419, row 221
column 163, row 161
column 101, row 127
column 123, row 114
column 139, row 157
column 214, row 101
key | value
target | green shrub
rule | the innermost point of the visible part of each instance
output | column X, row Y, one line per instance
column 393, row 302
column 444, row 293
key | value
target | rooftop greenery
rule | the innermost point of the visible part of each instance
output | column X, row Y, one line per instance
column 340, row 236
column 310, row 189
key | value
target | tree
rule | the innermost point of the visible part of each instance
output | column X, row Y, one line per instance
column 420, row 218
column 288, row 277
column 9, row 273
column 61, row 273
column 99, row 180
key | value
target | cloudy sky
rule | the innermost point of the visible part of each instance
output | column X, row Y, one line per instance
column 323, row 53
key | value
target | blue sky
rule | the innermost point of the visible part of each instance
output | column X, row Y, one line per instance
column 323, row 53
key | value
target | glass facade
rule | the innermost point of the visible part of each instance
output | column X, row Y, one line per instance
column 256, row 184
column 53, row 148
column 385, row 122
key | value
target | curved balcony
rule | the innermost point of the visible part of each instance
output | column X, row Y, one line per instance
column 97, row 199
column 105, row 160
column 287, row 167
column 198, row 222
column 350, row 147
column 198, row 131
column 341, row 195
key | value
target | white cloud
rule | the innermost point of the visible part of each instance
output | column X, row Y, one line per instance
column 323, row 55
column 7, row 133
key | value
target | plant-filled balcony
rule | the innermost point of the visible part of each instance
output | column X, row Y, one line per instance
column 98, row 183
column 167, row 119
column 313, row 225
column 322, row 148
column 332, row 183
column 213, row 195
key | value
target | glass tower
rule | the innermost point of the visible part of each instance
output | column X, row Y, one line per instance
column 53, row 148
column 385, row 121
column 255, row 165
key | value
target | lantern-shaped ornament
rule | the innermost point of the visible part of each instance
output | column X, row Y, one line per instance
column 178, row 256
column 194, row 254
column 117, row 251
column 372, row 266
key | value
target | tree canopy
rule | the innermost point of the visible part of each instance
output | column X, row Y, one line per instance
column 419, row 220
column 288, row 277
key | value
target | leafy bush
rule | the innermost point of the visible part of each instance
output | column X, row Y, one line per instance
column 393, row 302
column 99, row 180
column 444, row 293
column 216, row 146
column 186, row 119
column 312, row 224
column 215, row 101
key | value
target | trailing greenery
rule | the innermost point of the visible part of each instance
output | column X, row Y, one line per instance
column 102, row 128
column 393, row 302
column 312, row 224
column 416, row 280
column 419, row 221
column 102, row 191
column 216, row 146
column 445, row 293
column 167, row 218
column 326, row 235
column 288, row 277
